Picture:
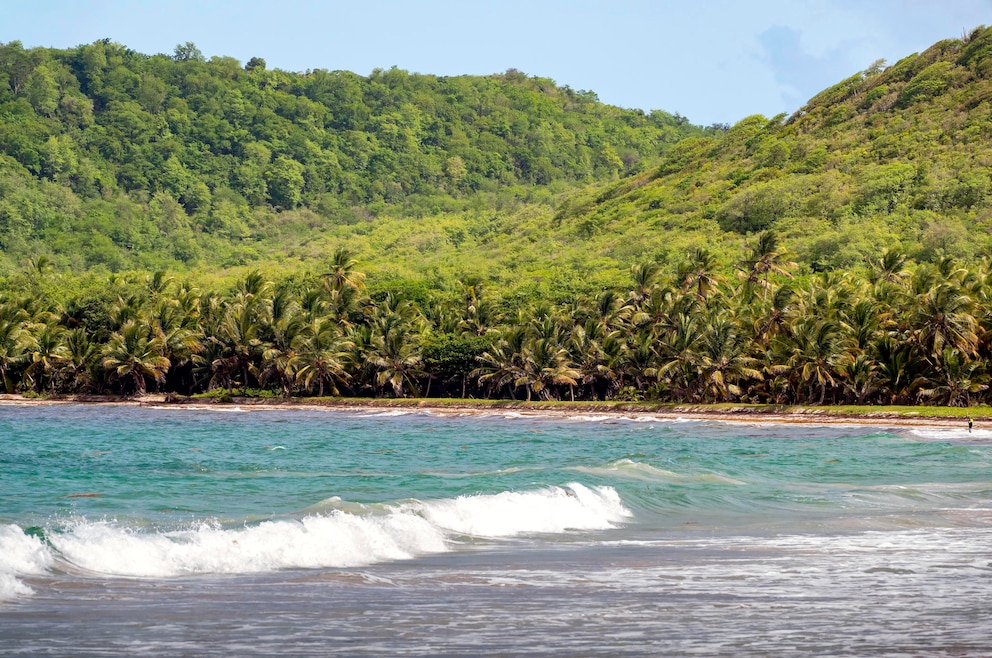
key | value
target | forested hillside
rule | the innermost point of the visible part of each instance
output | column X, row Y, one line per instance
column 111, row 158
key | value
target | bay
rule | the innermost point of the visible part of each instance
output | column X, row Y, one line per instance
column 165, row 531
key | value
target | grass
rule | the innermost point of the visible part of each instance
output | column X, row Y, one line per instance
column 736, row 409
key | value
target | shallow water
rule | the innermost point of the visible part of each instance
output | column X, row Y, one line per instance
column 169, row 532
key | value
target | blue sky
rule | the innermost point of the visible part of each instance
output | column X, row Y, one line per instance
column 709, row 60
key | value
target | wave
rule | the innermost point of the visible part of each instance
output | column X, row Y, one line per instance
column 20, row 555
column 628, row 468
column 342, row 535
column 390, row 413
column 952, row 434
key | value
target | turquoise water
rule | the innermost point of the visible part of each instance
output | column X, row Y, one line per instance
column 181, row 531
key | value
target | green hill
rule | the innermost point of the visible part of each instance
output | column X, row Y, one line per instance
column 894, row 157
column 117, row 160
column 113, row 160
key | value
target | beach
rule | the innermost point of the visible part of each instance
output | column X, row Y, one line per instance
column 808, row 415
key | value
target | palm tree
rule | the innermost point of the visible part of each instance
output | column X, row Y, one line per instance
column 478, row 313
column 697, row 274
column 135, row 353
column 897, row 367
column 641, row 363
column 243, row 347
column 765, row 259
column 502, row 365
column 724, row 359
column 597, row 353
column 812, row 354
column 679, row 359
column 396, row 362
column 889, row 267
column 545, row 365
column 81, row 360
column 45, row 353
column 858, row 374
column 342, row 273
column 644, row 276
column 281, row 327
column 942, row 318
column 771, row 317
column 322, row 358
column 12, row 320
column 176, row 322
column 957, row 379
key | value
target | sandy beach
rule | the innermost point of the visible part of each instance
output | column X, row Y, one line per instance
column 741, row 414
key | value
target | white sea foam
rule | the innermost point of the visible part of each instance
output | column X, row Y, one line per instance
column 952, row 434
column 20, row 555
column 340, row 535
column 334, row 540
column 628, row 468
column 389, row 414
column 507, row 514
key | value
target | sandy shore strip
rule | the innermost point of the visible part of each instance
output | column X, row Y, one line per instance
column 593, row 410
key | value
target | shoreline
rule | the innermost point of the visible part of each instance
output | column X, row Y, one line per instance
column 906, row 417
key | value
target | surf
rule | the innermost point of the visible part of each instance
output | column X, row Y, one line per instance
column 342, row 535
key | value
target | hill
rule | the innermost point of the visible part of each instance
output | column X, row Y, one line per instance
column 891, row 158
column 111, row 159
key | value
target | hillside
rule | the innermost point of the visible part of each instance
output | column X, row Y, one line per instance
column 111, row 159
column 892, row 157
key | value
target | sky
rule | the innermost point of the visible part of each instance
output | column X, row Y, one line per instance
column 712, row 61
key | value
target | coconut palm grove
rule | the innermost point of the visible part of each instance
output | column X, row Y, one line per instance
column 187, row 226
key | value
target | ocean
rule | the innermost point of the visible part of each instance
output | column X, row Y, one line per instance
column 195, row 532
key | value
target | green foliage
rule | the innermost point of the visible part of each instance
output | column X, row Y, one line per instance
column 235, row 146
column 112, row 160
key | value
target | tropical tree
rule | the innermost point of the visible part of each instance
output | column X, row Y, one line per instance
column 396, row 362
column 135, row 355
column 765, row 259
column 45, row 353
column 546, row 365
column 725, row 359
column 322, row 358
column 12, row 320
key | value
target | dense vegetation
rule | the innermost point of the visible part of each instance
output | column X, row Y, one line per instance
column 117, row 160
column 894, row 336
column 839, row 255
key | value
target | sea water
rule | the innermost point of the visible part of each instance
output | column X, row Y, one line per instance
column 165, row 531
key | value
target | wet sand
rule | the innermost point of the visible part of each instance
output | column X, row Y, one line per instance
column 606, row 410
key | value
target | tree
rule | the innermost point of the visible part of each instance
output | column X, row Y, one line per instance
column 395, row 361
column 44, row 354
column 322, row 358
column 764, row 260
column 135, row 353
column 284, row 178
column 12, row 355
column 255, row 64
column 188, row 52
column 546, row 365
